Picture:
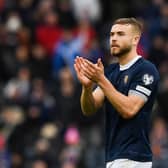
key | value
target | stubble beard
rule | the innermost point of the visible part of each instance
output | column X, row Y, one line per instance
column 121, row 52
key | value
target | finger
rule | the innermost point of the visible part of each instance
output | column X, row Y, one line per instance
column 87, row 68
column 78, row 62
column 90, row 64
column 99, row 63
column 76, row 68
column 87, row 75
column 78, row 65
column 78, row 73
column 88, row 72
column 76, row 59
column 82, row 61
column 90, row 69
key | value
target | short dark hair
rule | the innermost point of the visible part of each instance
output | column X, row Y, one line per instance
column 132, row 21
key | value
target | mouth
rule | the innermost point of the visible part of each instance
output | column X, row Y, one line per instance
column 114, row 45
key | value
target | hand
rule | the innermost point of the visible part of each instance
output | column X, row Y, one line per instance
column 85, row 81
column 94, row 72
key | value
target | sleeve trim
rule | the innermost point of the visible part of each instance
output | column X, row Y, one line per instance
column 134, row 92
column 143, row 90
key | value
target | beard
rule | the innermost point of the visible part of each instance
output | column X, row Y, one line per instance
column 121, row 52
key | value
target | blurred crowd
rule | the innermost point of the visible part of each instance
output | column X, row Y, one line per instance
column 41, row 123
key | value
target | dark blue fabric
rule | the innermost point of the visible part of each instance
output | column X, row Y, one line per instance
column 128, row 138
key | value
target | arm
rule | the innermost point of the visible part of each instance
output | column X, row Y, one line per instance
column 91, row 101
column 127, row 106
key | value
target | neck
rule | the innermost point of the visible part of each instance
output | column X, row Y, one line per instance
column 124, row 59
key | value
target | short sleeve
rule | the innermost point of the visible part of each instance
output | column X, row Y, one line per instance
column 144, row 82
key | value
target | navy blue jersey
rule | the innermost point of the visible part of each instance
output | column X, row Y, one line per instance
column 128, row 138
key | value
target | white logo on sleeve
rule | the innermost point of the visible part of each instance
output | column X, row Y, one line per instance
column 148, row 79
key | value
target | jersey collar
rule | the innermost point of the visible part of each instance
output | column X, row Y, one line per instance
column 129, row 64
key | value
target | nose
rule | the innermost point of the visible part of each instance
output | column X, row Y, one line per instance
column 113, row 39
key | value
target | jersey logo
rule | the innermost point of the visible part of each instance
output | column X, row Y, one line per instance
column 125, row 79
column 148, row 79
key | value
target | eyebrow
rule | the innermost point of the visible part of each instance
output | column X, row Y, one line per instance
column 118, row 32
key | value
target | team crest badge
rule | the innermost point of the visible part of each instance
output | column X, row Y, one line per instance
column 148, row 79
column 126, row 79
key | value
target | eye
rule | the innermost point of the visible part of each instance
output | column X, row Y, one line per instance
column 121, row 33
column 111, row 33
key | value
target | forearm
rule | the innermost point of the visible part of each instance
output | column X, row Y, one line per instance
column 87, row 101
column 118, row 100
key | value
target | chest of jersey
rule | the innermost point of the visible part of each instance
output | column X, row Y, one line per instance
column 121, row 80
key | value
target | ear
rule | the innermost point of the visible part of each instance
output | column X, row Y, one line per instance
column 136, row 40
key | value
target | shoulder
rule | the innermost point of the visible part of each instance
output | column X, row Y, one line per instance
column 146, row 73
column 145, row 66
column 148, row 64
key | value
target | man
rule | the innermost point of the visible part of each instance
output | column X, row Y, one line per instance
column 128, row 89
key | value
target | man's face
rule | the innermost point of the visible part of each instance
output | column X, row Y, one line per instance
column 121, row 39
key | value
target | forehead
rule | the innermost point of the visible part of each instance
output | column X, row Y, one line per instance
column 121, row 27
